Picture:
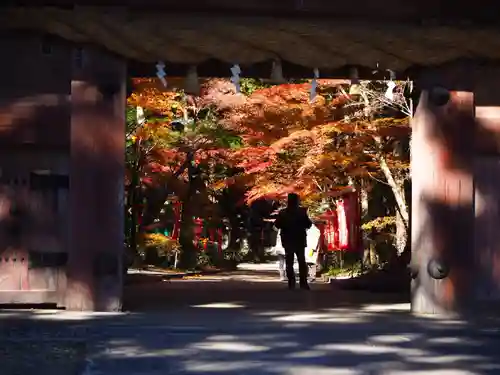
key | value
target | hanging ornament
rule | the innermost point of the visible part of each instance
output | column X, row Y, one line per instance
column 235, row 77
column 389, row 93
column 314, row 85
column 277, row 73
column 140, row 116
column 160, row 72
column 410, row 100
column 391, row 85
column 191, row 83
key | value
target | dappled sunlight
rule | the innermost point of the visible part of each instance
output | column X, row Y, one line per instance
column 230, row 346
column 58, row 315
column 394, row 339
column 369, row 349
column 221, row 305
column 194, row 280
column 321, row 318
column 399, row 307
column 448, row 359
column 235, row 341
column 240, row 327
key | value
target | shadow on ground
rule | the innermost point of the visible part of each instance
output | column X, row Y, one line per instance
column 219, row 327
column 248, row 290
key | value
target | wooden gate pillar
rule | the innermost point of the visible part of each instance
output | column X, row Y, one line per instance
column 96, row 182
column 487, row 187
column 442, row 198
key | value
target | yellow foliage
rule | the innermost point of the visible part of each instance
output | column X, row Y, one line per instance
column 164, row 244
column 379, row 224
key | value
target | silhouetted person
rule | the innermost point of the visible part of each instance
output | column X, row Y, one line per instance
column 293, row 223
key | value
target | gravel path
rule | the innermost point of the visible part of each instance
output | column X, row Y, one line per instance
column 240, row 326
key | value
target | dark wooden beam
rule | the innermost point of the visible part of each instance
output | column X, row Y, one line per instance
column 397, row 10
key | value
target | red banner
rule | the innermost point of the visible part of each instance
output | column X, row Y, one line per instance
column 341, row 227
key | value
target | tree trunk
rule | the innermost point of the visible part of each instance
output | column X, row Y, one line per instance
column 134, row 195
column 133, row 199
column 188, row 248
column 255, row 245
column 234, row 234
column 363, row 196
column 372, row 252
column 402, row 227
column 397, row 189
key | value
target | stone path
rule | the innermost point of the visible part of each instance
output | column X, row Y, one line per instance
column 238, row 327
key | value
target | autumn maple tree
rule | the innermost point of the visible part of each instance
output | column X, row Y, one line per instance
column 179, row 149
column 292, row 143
column 347, row 135
column 267, row 141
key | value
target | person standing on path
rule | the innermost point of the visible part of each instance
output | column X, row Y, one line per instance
column 293, row 223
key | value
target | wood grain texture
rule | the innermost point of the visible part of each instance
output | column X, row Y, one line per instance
column 96, row 183
column 442, row 202
column 34, row 136
column 193, row 38
column 487, row 185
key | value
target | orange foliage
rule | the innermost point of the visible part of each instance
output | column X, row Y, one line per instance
column 290, row 143
column 293, row 144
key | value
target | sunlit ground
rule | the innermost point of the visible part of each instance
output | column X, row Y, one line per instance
column 245, row 327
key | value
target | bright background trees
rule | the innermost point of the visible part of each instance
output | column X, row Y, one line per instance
column 177, row 151
column 221, row 151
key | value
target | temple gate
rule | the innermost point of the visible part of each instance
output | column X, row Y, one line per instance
column 62, row 126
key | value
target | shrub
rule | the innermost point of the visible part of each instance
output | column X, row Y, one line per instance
column 159, row 248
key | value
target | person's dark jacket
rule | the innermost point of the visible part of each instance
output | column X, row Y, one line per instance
column 293, row 223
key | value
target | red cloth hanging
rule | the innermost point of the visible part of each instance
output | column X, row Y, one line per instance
column 341, row 229
column 343, row 225
column 330, row 230
column 352, row 215
column 355, row 211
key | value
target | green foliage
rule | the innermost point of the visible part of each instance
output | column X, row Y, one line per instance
column 131, row 119
column 249, row 85
column 349, row 271
column 344, row 264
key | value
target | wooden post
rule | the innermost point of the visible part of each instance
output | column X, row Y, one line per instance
column 487, row 187
column 96, row 182
column 442, row 202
